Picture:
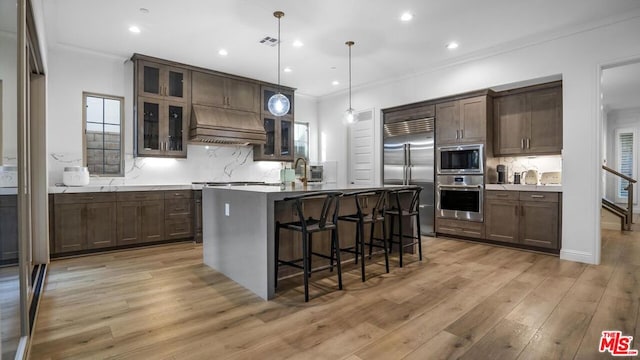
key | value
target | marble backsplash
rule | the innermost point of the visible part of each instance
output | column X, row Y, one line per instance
column 523, row 163
column 204, row 163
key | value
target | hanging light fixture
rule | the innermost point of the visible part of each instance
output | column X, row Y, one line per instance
column 278, row 104
column 350, row 114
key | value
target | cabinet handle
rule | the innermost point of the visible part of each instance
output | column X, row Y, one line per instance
column 516, row 207
column 522, row 143
column 537, row 196
column 461, row 133
column 457, row 134
column 180, row 229
column 87, row 198
column 502, row 195
column 528, row 143
column 179, row 209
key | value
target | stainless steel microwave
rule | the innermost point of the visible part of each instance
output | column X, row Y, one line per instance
column 460, row 159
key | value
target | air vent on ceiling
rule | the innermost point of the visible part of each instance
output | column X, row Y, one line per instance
column 269, row 41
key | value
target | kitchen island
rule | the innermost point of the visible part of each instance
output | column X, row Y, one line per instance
column 239, row 226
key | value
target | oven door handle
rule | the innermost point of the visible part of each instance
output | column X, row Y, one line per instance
column 461, row 186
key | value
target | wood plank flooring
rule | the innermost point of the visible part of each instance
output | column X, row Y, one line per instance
column 464, row 300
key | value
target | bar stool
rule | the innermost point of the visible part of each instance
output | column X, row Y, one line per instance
column 367, row 216
column 307, row 225
column 400, row 210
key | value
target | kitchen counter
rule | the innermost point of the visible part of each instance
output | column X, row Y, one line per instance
column 116, row 188
column 8, row 191
column 521, row 187
column 238, row 230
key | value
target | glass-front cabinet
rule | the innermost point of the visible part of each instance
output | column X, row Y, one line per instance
column 279, row 129
column 163, row 108
column 162, row 127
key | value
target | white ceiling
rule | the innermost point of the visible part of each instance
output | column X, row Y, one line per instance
column 192, row 32
column 621, row 87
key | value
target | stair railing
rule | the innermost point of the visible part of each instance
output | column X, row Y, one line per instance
column 629, row 189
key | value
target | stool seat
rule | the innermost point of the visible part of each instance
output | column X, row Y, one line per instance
column 313, row 225
column 366, row 218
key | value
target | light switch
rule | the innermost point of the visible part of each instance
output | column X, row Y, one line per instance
column 226, row 209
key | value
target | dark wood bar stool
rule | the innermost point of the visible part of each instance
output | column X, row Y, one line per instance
column 363, row 217
column 307, row 225
column 404, row 204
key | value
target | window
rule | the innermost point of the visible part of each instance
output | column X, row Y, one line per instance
column 626, row 160
column 103, row 135
column 301, row 140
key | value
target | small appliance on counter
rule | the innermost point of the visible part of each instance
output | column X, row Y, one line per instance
column 551, row 178
column 315, row 173
column 530, row 177
column 502, row 174
column 75, row 176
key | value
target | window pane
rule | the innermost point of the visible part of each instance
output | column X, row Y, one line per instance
column 301, row 140
column 625, row 146
column 112, row 111
column 103, row 124
column 95, row 110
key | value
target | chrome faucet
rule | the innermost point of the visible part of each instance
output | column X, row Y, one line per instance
column 303, row 178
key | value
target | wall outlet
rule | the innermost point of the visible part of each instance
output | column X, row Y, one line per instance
column 226, row 209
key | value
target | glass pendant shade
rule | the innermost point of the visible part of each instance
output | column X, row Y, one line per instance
column 350, row 116
column 278, row 105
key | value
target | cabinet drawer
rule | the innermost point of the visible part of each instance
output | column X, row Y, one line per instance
column 178, row 228
column 9, row 200
column 178, row 194
column 502, row 195
column 539, row 196
column 140, row 195
column 460, row 227
column 177, row 207
column 84, row 198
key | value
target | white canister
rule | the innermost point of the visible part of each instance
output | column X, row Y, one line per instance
column 75, row 176
column 8, row 176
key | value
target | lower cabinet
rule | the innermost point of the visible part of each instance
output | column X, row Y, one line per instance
column 523, row 217
column 470, row 229
column 8, row 229
column 178, row 214
column 140, row 217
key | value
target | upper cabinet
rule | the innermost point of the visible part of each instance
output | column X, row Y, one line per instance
column 163, row 106
column 225, row 92
column 462, row 121
column 529, row 122
column 279, row 145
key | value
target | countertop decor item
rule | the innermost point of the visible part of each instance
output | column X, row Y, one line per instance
column 530, row 177
column 278, row 104
column 349, row 115
column 75, row 176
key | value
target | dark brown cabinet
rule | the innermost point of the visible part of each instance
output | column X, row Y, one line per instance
column 225, row 92
column 462, row 121
column 529, row 122
column 526, row 218
column 140, row 217
column 178, row 214
column 163, row 107
column 84, row 221
column 463, row 228
column 279, row 145
column 8, row 229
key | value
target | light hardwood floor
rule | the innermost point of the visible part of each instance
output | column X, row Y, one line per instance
column 465, row 300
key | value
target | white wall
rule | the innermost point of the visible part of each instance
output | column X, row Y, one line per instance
column 577, row 58
column 9, row 116
column 72, row 71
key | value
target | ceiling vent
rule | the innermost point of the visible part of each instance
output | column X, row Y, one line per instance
column 269, row 41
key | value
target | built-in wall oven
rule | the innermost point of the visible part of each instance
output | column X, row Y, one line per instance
column 460, row 197
column 460, row 159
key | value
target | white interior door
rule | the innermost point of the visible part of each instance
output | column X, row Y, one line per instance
column 361, row 156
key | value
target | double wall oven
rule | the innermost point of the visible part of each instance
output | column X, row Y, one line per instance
column 460, row 182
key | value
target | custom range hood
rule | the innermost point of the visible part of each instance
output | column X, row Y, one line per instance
column 211, row 124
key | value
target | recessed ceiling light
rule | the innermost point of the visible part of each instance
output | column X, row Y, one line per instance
column 223, row 52
column 335, row 82
column 452, row 45
column 134, row 29
column 287, row 69
column 407, row 16
column 298, row 43
column 144, row 10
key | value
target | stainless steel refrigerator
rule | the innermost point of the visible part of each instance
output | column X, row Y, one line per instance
column 408, row 158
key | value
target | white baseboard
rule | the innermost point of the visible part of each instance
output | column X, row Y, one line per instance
column 578, row 256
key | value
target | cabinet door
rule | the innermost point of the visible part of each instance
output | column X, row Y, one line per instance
column 447, row 122
column 177, row 83
column 152, row 220
column 243, row 95
column 501, row 220
column 269, row 148
column 473, row 120
column 101, row 225
column 71, row 227
column 286, row 139
column 511, row 124
column 149, row 126
column 539, row 224
column 545, row 121
column 208, row 89
column 128, row 217
column 150, row 83
column 9, row 231
column 174, row 129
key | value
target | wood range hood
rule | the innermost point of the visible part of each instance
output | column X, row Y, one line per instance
column 210, row 124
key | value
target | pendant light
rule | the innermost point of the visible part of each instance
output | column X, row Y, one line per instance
column 350, row 115
column 278, row 104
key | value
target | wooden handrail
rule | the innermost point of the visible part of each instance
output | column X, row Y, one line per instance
column 629, row 179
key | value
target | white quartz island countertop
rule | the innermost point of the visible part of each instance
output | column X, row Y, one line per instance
column 117, row 188
column 520, row 187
